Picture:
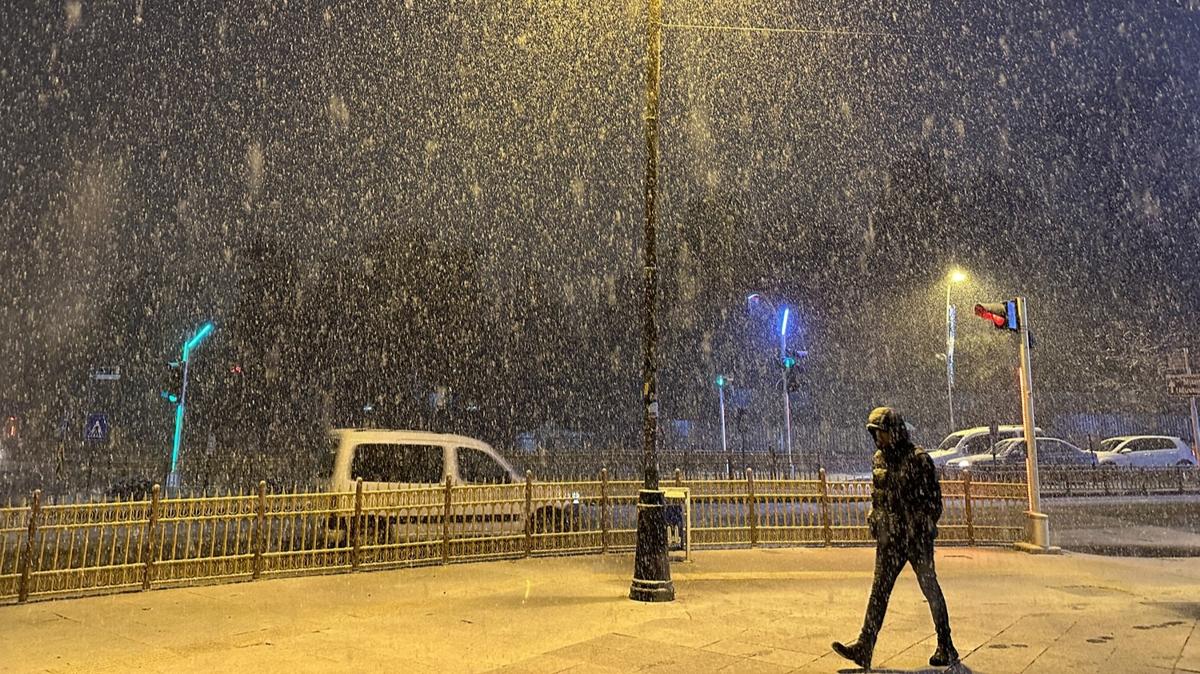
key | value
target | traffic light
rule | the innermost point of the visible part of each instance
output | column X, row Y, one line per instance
column 721, row 381
column 173, row 385
column 1003, row 315
column 793, row 372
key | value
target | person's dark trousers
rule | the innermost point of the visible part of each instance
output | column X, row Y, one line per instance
column 890, row 559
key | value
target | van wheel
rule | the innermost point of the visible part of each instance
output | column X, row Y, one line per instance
column 1184, row 463
column 550, row 520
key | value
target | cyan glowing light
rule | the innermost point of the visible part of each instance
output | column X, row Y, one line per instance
column 192, row 343
column 203, row 332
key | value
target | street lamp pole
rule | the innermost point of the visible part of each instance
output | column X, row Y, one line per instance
column 784, row 366
column 177, row 439
column 950, row 355
column 787, row 400
column 956, row 276
column 721, row 381
column 651, row 567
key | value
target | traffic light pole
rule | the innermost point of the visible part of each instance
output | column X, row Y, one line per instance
column 724, row 439
column 787, row 401
column 1039, row 524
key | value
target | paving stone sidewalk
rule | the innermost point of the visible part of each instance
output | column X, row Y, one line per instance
column 765, row 610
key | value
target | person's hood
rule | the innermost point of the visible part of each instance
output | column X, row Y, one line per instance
column 889, row 419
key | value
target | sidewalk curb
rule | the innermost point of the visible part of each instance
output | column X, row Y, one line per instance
column 1133, row 550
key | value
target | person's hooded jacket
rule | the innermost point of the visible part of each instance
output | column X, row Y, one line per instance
column 906, row 503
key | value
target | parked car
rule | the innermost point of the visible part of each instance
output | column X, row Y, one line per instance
column 409, row 464
column 1144, row 451
column 1011, row 454
column 972, row 441
column 130, row 488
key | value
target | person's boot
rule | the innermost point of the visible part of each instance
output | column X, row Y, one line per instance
column 857, row 651
column 944, row 656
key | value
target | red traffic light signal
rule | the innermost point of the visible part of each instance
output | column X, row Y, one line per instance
column 1003, row 315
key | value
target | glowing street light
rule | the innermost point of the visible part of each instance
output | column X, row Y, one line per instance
column 787, row 361
column 194, row 341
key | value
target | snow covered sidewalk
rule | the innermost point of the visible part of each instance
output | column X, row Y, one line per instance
column 763, row 610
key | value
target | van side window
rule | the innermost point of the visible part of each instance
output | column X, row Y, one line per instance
column 477, row 467
column 976, row 445
column 410, row 464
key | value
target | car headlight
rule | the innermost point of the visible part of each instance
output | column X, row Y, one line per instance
column 964, row 464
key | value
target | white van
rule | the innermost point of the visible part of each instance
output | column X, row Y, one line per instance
column 387, row 459
column 414, row 466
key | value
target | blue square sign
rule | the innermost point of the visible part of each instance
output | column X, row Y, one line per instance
column 96, row 429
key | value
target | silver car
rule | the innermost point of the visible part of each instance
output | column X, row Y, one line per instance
column 1011, row 454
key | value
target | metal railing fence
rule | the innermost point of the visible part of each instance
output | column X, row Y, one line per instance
column 54, row 550
column 1064, row 481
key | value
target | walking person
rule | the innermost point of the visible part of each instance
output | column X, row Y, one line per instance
column 906, row 503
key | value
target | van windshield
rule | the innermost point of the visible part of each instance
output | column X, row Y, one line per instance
column 951, row 441
column 327, row 457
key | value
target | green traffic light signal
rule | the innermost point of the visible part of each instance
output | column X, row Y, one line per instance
column 721, row 381
column 788, row 362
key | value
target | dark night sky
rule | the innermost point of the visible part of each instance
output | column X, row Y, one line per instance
column 1050, row 148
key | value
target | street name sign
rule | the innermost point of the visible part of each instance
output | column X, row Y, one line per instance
column 1184, row 385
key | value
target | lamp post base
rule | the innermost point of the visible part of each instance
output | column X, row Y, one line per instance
column 651, row 565
column 1039, row 536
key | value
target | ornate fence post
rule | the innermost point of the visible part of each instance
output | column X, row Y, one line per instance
column 446, row 524
column 149, row 549
column 678, row 478
column 35, row 510
column 528, row 512
column 260, row 528
column 752, row 513
column 356, row 527
column 826, row 519
column 604, row 513
column 967, row 513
